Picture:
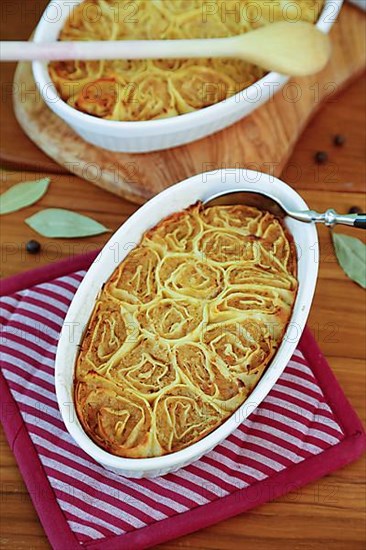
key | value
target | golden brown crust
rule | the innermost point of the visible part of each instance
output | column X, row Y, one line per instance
column 184, row 328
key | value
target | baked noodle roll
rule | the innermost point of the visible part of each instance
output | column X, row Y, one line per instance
column 149, row 97
column 262, row 276
column 244, row 348
column 141, row 20
column 173, row 319
column 198, row 23
column 197, row 87
column 90, row 20
column 184, row 275
column 258, row 301
column 97, row 97
column 134, row 280
column 200, row 372
column 146, row 368
column 180, row 6
column 71, row 77
column 106, row 334
column 176, row 233
column 116, row 418
column 276, row 242
column 238, row 70
column 124, row 69
column 225, row 247
column 182, row 417
column 239, row 217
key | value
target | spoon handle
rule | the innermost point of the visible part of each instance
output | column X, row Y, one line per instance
column 118, row 49
column 360, row 221
column 331, row 218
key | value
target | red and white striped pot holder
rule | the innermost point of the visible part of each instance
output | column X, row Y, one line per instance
column 304, row 429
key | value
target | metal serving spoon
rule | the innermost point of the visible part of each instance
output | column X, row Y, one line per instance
column 265, row 201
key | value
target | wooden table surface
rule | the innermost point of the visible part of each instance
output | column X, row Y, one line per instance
column 327, row 514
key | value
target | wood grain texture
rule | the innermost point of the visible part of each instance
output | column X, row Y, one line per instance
column 326, row 515
column 262, row 141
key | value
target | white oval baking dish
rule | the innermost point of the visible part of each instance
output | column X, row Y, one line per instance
column 154, row 135
column 174, row 199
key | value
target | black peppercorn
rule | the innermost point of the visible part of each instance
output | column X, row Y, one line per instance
column 321, row 157
column 33, row 247
column 355, row 210
column 339, row 140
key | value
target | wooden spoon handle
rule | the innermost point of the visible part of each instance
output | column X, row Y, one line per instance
column 118, row 49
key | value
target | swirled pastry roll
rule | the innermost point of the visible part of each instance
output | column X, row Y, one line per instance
column 118, row 418
column 108, row 335
column 97, row 97
column 159, row 88
column 147, row 368
column 184, row 329
column 182, row 417
column 135, row 281
column 185, row 275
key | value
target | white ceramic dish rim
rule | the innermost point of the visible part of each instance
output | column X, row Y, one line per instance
column 326, row 19
column 173, row 199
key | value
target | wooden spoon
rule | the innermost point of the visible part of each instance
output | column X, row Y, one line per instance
column 292, row 48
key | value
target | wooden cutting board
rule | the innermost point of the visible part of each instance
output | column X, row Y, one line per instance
column 263, row 141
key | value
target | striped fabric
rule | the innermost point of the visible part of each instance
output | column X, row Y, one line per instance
column 293, row 423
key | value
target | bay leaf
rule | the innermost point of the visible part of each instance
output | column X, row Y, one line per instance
column 22, row 194
column 61, row 223
column 351, row 256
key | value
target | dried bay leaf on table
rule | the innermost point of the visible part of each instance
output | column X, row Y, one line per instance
column 351, row 256
column 22, row 194
column 61, row 223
